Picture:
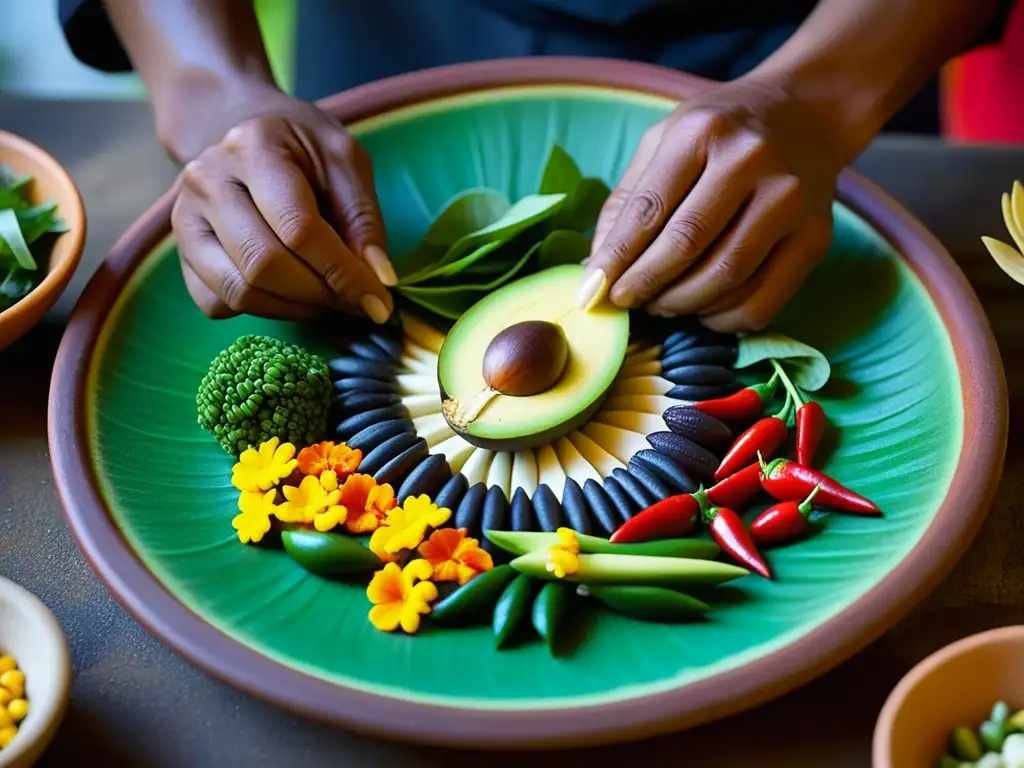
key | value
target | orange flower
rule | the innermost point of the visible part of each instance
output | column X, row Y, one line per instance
column 367, row 502
column 455, row 556
column 321, row 457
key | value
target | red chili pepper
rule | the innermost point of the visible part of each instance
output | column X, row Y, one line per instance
column 764, row 438
column 784, row 521
column 736, row 491
column 786, row 480
column 810, row 428
column 667, row 519
column 732, row 536
column 743, row 406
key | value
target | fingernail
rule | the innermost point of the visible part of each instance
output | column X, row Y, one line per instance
column 380, row 264
column 375, row 309
column 592, row 291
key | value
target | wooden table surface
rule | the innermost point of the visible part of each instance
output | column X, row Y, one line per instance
column 135, row 703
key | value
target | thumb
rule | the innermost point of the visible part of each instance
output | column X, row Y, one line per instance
column 355, row 210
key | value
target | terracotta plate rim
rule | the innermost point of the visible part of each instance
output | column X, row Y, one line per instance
column 961, row 514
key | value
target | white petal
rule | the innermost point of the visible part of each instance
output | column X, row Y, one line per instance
column 642, row 385
column 524, row 472
column 620, row 443
column 597, row 456
column 425, row 335
column 1009, row 260
column 549, row 471
column 500, row 473
column 456, row 450
column 573, row 462
column 475, row 468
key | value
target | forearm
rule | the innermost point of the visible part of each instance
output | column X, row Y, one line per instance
column 198, row 60
column 856, row 62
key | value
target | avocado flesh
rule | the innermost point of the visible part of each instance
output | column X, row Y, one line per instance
column 597, row 342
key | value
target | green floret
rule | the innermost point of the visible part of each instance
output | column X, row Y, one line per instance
column 260, row 388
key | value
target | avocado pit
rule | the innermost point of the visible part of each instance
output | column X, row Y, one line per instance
column 526, row 358
column 523, row 360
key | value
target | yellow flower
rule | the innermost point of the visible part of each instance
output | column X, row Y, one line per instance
column 303, row 503
column 455, row 556
column 261, row 470
column 563, row 558
column 406, row 526
column 329, row 518
column 401, row 595
column 253, row 521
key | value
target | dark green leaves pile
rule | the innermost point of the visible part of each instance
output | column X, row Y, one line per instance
column 23, row 228
column 481, row 240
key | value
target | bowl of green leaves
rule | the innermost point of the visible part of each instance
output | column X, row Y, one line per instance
column 42, row 231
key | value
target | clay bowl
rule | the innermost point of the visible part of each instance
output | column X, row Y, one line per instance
column 31, row 634
column 888, row 305
column 50, row 182
column 956, row 685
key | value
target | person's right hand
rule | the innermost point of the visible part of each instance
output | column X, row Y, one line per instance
column 280, row 218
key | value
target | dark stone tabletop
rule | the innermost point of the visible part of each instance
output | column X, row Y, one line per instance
column 134, row 702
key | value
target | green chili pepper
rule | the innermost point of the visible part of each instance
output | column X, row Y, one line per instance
column 1000, row 713
column 523, row 542
column 964, row 744
column 992, row 735
column 947, row 761
column 647, row 603
column 635, row 569
column 549, row 611
column 473, row 601
column 1015, row 722
column 512, row 607
column 328, row 554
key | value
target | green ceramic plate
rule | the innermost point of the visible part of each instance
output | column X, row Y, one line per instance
column 917, row 392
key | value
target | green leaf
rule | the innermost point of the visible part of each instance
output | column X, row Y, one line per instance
column 15, row 286
column 10, row 232
column 530, row 210
column 39, row 220
column 466, row 261
column 9, row 180
column 560, row 174
column 452, row 301
column 808, row 368
column 10, row 199
column 563, row 246
column 467, row 212
column 526, row 212
column 583, row 206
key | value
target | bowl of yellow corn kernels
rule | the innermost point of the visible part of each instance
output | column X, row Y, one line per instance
column 35, row 676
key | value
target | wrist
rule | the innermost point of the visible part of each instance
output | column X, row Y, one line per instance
column 849, row 108
column 196, row 107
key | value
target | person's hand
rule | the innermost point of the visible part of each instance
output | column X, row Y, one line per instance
column 724, row 211
column 280, row 218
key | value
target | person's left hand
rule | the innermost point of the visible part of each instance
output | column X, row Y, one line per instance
column 724, row 211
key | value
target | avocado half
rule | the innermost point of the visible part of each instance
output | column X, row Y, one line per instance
column 596, row 341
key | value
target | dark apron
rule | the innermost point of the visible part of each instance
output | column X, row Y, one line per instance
column 342, row 44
